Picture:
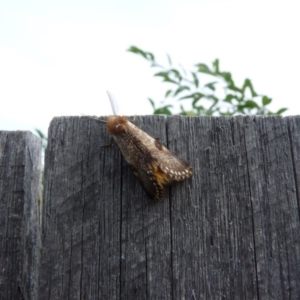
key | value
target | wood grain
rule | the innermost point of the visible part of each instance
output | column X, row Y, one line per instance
column 20, row 191
column 230, row 232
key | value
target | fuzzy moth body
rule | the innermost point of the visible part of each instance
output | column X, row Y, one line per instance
column 152, row 163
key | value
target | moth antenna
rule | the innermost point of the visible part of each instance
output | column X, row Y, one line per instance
column 95, row 118
column 113, row 103
column 110, row 143
column 102, row 121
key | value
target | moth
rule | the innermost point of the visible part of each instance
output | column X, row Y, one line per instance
column 152, row 163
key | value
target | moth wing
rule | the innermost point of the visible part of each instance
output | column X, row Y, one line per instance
column 148, row 183
column 153, row 164
column 176, row 168
column 158, row 168
column 152, row 186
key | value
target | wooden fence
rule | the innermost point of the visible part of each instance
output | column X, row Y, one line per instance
column 232, row 231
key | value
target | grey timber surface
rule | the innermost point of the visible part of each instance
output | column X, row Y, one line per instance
column 231, row 231
column 20, row 191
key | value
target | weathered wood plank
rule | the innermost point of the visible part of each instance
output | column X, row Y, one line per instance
column 294, row 136
column 81, row 228
column 146, row 240
column 274, row 207
column 231, row 231
column 20, row 191
column 212, row 230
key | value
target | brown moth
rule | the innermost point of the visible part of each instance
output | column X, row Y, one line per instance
column 152, row 163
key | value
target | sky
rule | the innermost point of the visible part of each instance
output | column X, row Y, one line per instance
column 58, row 58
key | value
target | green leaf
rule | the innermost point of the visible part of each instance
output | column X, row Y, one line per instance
column 201, row 110
column 168, row 92
column 193, row 96
column 180, row 89
column 266, row 100
column 202, row 68
column 162, row 74
column 216, row 66
column 241, row 100
column 194, row 103
column 228, row 78
column 196, row 80
column 169, row 59
column 211, row 85
column 40, row 134
column 240, row 108
column 183, row 112
column 42, row 137
column 165, row 76
column 232, row 87
column 146, row 55
column 152, row 103
column 137, row 50
column 187, row 97
column 280, row 111
column 229, row 98
column 176, row 73
column 215, row 101
column 212, row 97
column 248, row 84
column 251, row 104
column 163, row 110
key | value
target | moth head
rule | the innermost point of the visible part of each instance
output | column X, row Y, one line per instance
column 116, row 124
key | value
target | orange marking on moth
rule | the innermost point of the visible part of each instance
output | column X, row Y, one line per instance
column 160, row 176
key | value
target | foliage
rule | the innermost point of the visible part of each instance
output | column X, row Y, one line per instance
column 217, row 95
column 43, row 137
